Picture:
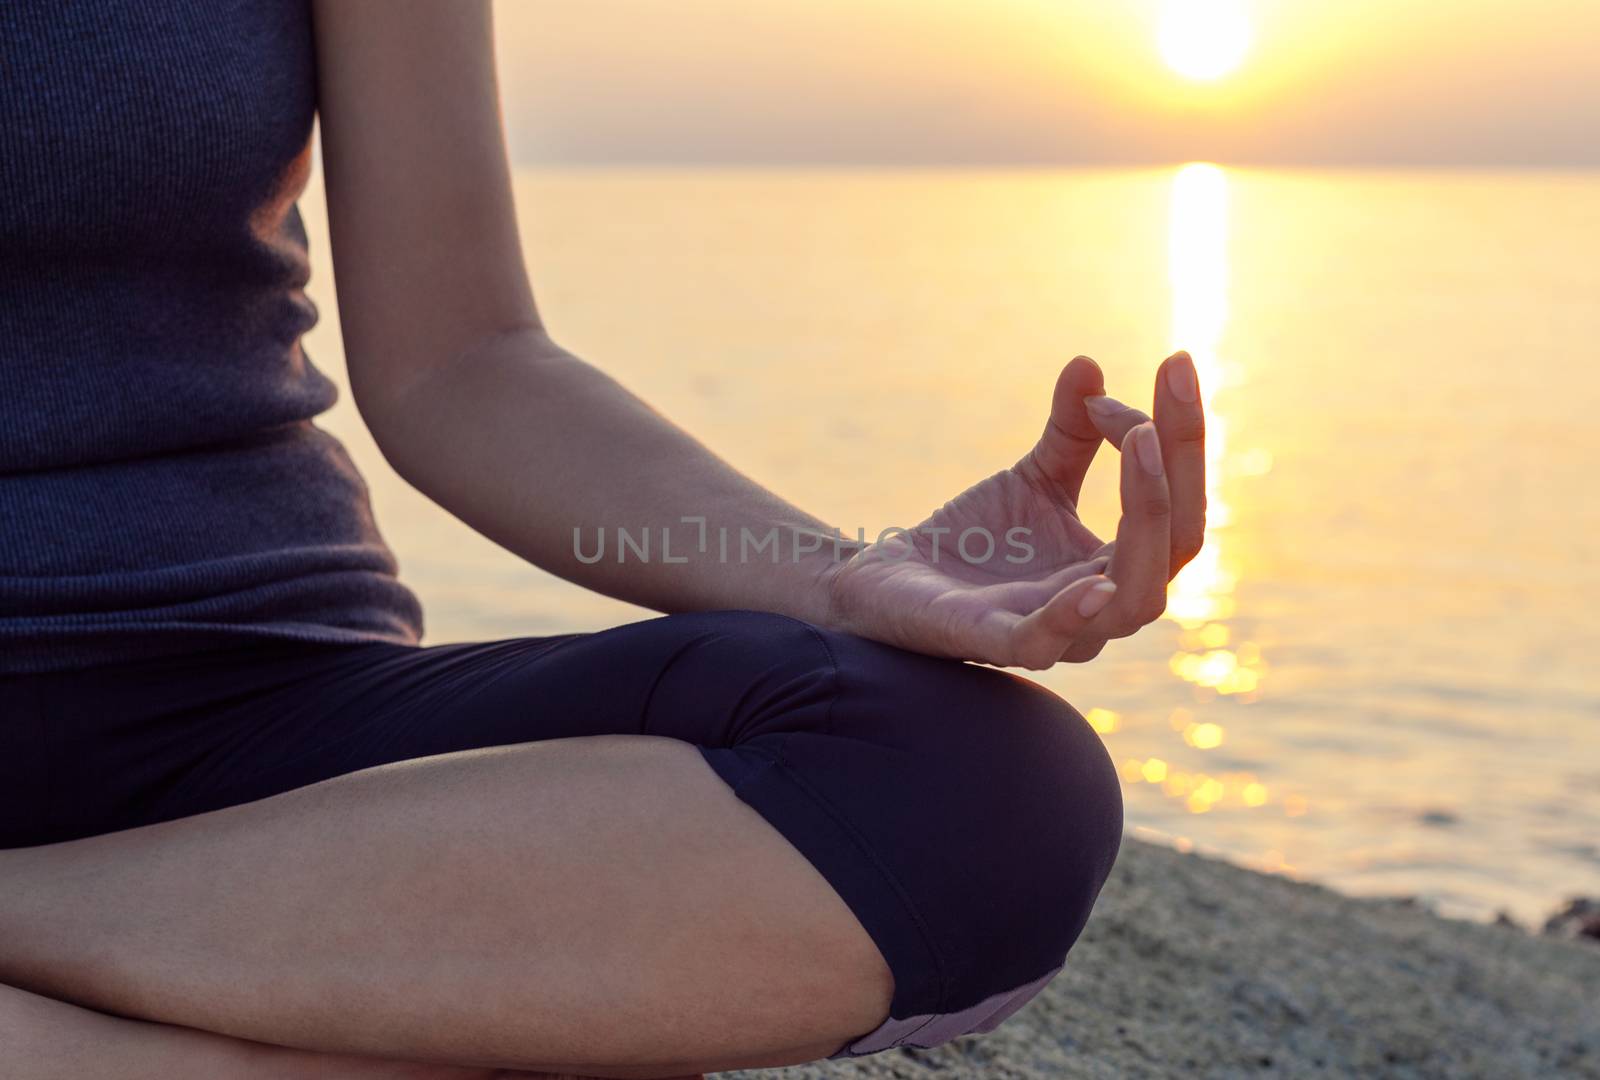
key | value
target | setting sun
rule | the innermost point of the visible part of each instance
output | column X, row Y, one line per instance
column 1204, row 39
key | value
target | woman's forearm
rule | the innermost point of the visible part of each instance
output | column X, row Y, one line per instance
column 557, row 462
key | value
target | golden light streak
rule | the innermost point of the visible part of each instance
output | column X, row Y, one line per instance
column 1197, row 269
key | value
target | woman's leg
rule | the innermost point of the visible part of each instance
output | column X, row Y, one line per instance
column 870, row 822
column 570, row 906
column 44, row 1039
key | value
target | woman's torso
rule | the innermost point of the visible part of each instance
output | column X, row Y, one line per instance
column 162, row 484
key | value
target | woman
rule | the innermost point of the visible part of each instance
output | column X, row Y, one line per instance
column 254, row 828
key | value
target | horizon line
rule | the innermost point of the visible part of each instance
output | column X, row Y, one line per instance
column 998, row 165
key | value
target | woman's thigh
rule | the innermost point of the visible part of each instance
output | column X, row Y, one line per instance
column 134, row 743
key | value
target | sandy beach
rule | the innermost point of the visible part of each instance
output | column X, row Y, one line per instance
column 1192, row 967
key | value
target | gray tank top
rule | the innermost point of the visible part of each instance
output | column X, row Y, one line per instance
column 163, row 487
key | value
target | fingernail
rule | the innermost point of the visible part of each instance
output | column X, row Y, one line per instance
column 1101, row 405
column 1181, row 378
column 1095, row 600
column 1148, row 447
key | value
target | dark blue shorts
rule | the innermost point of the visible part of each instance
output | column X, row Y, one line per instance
column 967, row 816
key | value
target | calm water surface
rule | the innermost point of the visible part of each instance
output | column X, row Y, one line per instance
column 1380, row 674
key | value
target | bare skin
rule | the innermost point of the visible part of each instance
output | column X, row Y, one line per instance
column 603, row 906
column 45, row 1039
column 600, row 906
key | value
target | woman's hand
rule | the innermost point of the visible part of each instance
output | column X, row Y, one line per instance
column 1007, row 573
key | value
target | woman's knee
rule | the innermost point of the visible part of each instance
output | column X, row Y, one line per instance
column 968, row 816
column 992, row 801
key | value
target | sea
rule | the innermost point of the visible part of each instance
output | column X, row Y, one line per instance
column 1383, row 671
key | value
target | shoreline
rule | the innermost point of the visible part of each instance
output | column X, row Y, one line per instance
column 1193, row 966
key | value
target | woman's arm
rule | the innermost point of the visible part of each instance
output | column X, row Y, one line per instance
column 472, row 403
column 450, row 367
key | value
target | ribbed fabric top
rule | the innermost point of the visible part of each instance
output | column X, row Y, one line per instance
column 162, row 484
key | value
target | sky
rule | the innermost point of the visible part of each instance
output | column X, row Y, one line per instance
column 973, row 82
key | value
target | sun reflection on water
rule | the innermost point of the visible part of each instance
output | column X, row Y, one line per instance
column 1202, row 595
column 1197, row 268
column 1211, row 658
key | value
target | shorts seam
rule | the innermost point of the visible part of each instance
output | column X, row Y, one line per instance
column 901, row 893
column 833, row 668
column 941, row 966
column 833, row 664
column 649, row 696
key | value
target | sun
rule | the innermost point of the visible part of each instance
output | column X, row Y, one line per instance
column 1204, row 39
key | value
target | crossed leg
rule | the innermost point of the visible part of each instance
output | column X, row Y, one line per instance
column 736, row 841
column 45, row 1039
column 601, row 905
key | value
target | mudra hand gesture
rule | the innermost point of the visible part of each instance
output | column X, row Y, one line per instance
column 992, row 599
